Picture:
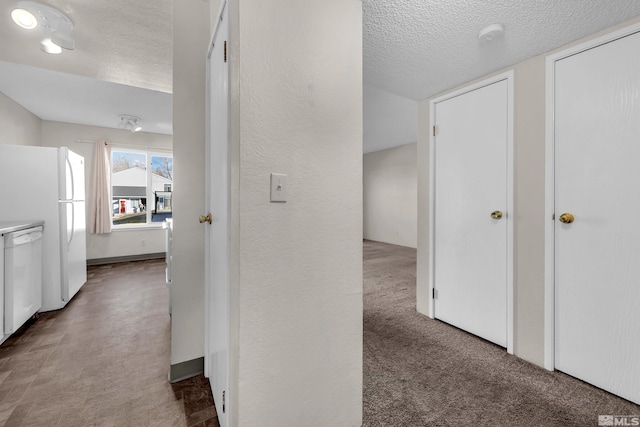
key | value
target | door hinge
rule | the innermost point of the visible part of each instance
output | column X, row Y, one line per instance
column 224, row 398
column 433, row 293
column 434, row 131
column 553, row 217
column 225, row 51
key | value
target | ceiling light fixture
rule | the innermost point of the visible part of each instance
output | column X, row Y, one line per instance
column 23, row 18
column 55, row 26
column 130, row 123
column 46, row 45
column 490, row 33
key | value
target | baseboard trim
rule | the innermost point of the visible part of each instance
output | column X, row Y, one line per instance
column 183, row 370
column 127, row 258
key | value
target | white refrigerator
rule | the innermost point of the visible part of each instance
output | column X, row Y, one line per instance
column 44, row 183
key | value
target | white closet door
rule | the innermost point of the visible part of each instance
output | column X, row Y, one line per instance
column 597, row 264
column 470, row 262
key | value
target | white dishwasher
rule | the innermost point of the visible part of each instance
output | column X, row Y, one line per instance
column 22, row 275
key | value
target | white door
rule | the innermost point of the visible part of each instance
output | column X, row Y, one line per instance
column 470, row 228
column 217, row 244
column 597, row 180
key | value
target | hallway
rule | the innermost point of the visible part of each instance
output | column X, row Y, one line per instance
column 423, row 372
column 103, row 360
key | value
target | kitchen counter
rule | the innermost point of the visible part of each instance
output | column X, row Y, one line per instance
column 11, row 226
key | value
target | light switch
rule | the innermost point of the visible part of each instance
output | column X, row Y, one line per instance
column 278, row 187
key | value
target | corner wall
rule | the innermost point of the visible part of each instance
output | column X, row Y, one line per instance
column 19, row 126
column 296, row 85
column 389, row 120
column 390, row 184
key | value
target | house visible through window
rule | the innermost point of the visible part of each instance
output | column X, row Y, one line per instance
column 141, row 184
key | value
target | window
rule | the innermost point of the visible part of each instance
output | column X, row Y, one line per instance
column 141, row 187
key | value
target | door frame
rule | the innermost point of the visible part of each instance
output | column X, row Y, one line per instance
column 549, row 202
column 208, row 178
column 509, row 77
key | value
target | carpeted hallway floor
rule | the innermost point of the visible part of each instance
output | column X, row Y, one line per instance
column 422, row 372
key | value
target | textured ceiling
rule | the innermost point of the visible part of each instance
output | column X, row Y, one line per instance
column 120, row 41
column 418, row 48
column 412, row 48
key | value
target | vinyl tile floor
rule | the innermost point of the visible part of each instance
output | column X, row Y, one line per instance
column 103, row 360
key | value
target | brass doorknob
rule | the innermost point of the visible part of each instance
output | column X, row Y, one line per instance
column 207, row 218
column 496, row 214
column 566, row 218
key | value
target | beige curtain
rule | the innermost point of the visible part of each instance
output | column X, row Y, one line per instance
column 100, row 222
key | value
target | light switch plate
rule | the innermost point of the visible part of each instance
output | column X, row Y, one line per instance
column 278, row 187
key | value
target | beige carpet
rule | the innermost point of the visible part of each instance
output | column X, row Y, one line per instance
column 422, row 372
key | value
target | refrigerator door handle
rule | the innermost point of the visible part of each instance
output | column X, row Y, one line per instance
column 73, row 220
column 73, row 226
column 73, row 186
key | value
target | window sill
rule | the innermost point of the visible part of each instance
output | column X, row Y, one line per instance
column 138, row 227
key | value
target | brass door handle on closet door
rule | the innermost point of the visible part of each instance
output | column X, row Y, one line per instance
column 566, row 218
column 204, row 219
column 496, row 214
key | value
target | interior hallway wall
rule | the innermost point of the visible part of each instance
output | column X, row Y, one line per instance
column 119, row 243
column 390, row 185
column 19, row 126
column 296, row 91
column 529, row 196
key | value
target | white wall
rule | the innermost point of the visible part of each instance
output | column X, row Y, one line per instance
column 529, row 168
column 119, row 242
column 190, row 41
column 390, row 184
column 296, row 89
column 18, row 126
column 389, row 120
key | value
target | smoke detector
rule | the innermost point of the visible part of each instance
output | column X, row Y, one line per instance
column 490, row 33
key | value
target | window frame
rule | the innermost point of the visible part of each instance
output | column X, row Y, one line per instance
column 149, row 153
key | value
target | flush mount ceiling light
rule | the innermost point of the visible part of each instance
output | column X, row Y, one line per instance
column 23, row 18
column 130, row 123
column 55, row 27
column 490, row 33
